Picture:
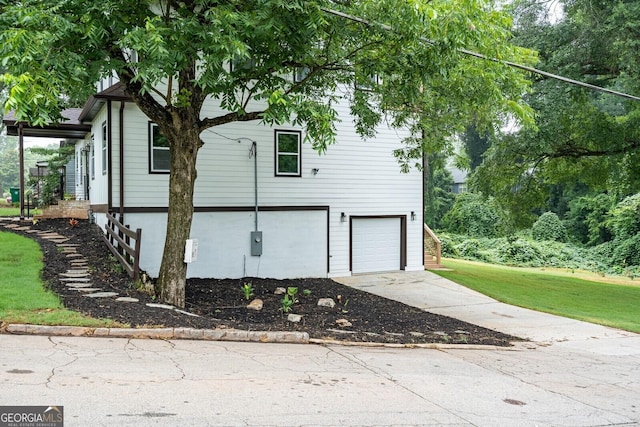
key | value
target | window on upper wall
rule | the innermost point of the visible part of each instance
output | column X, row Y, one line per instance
column 159, row 154
column 301, row 73
column 92, row 158
column 104, row 148
column 288, row 156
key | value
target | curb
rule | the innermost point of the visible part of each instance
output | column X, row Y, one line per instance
column 282, row 337
column 162, row 333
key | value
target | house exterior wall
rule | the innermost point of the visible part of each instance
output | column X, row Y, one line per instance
column 355, row 177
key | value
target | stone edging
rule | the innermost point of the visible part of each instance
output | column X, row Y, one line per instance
column 288, row 337
column 161, row 333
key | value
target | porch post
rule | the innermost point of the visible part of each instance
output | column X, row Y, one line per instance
column 21, row 155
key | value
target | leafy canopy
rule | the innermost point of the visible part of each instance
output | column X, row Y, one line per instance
column 172, row 55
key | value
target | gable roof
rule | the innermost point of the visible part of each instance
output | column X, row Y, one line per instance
column 95, row 102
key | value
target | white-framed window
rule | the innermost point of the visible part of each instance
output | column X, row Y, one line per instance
column 159, row 154
column 92, row 158
column 300, row 73
column 367, row 82
column 288, row 152
column 103, row 148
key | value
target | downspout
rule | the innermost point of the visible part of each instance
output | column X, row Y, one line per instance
column 21, row 156
column 121, row 159
column 254, row 152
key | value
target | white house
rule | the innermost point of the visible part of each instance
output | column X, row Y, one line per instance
column 345, row 212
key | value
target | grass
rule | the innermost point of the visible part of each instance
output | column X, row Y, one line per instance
column 9, row 211
column 615, row 304
column 23, row 297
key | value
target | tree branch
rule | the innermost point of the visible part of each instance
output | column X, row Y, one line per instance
column 228, row 118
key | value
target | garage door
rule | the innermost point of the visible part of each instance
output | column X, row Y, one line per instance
column 375, row 244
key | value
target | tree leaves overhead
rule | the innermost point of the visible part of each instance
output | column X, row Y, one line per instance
column 55, row 51
column 581, row 136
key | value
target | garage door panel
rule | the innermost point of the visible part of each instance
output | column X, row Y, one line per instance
column 376, row 244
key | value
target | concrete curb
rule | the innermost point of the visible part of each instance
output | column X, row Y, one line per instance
column 162, row 333
column 285, row 337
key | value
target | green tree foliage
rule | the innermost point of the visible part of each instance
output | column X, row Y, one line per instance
column 586, row 219
column 437, row 187
column 624, row 218
column 476, row 143
column 476, row 216
column 581, row 136
column 55, row 51
column 50, row 184
column 549, row 227
column 9, row 169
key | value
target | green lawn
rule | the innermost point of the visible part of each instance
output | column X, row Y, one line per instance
column 15, row 212
column 603, row 302
column 23, row 298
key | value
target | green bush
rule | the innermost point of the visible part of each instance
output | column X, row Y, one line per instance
column 447, row 246
column 469, row 248
column 587, row 217
column 519, row 252
column 549, row 227
column 475, row 216
column 624, row 218
column 627, row 252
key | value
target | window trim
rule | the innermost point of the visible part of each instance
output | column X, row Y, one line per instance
column 276, row 153
column 150, row 130
column 103, row 148
column 92, row 158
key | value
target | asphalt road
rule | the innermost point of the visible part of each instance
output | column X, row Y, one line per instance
column 142, row 382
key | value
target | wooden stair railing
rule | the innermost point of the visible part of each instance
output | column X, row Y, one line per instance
column 432, row 249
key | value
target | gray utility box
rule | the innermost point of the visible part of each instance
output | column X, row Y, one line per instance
column 256, row 243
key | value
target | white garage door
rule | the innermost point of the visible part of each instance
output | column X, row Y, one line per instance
column 375, row 244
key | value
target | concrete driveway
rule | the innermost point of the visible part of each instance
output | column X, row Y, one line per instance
column 573, row 374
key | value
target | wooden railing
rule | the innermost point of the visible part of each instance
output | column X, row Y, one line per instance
column 118, row 238
column 432, row 245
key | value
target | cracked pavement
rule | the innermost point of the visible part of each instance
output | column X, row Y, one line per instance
column 142, row 382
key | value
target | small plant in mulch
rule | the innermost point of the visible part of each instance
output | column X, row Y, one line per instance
column 73, row 223
column 289, row 299
column 247, row 290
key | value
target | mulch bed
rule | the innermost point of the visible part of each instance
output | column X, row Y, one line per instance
column 220, row 303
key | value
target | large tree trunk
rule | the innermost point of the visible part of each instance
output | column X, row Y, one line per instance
column 185, row 142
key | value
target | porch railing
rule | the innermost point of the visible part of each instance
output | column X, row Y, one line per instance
column 432, row 246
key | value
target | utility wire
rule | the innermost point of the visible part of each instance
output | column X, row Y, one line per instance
column 481, row 56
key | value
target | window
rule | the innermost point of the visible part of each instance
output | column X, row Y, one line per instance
column 300, row 73
column 367, row 82
column 288, row 147
column 104, row 148
column 159, row 154
column 92, row 158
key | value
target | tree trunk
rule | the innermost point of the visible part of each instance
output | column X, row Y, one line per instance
column 185, row 142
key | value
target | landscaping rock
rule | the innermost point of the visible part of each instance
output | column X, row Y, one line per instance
column 256, row 305
column 280, row 291
column 343, row 323
column 294, row 318
column 326, row 302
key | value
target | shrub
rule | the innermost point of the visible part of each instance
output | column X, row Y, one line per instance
column 624, row 218
column 627, row 252
column 470, row 248
column 586, row 219
column 475, row 216
column 447, row 246
column 549, row 227
column 520, row 252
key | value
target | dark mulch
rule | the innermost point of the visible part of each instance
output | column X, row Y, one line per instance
column 220, row 303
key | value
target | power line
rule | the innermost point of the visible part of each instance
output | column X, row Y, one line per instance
column 484, row 57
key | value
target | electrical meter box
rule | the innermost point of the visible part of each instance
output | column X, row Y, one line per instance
column 256, row 243
column 191, row 250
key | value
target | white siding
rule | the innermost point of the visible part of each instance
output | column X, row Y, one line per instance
column 357, row 177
